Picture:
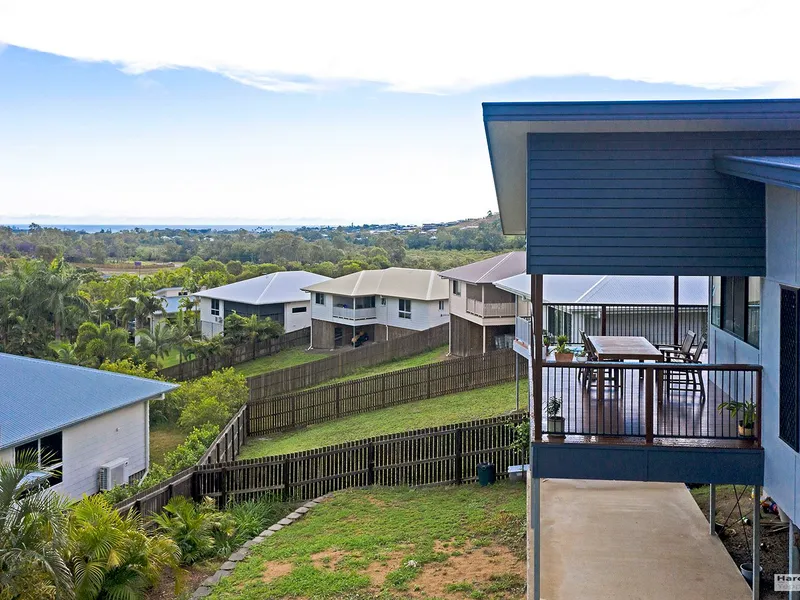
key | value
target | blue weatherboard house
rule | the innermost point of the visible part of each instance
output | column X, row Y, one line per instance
column 678, row 188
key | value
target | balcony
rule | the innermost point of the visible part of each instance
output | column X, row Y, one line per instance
column 354, row 314
column 490, row 310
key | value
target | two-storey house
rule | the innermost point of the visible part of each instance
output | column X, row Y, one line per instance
column 376, row 305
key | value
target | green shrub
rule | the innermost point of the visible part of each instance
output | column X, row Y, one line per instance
column 114, row 556
column 199, row 530
column 228, row 387
column 206, row 410
column 254, row 516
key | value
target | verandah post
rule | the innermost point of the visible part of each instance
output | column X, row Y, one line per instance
column 675, row 312
column 537, row 314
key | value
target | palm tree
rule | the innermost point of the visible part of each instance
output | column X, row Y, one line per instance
column 65, row 352
column 99, row 343
column 33, row 534
column 57, row 290
column 184, row 330
column 113, row 556
column 260, row 329
column 141, row 307
column 158, row 342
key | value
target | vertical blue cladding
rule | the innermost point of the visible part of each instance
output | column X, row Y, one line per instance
column 646, row 203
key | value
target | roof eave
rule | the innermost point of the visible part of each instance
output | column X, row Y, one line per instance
column 755, row 170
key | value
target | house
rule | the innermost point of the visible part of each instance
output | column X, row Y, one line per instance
column 376, row 305
column 279, row 296
column 676, row 188
column 81, row 418
column 172, row 297
column 611, row 305
column 481, row 315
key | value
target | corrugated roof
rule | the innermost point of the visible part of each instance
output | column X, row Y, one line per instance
column 489, row 270
column 557, row 288
column 275, row 288
column 611, row 289
column 398, row 282
column 38, row 397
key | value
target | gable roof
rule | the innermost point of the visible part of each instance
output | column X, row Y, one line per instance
column 611, row 289
column 275, row 288
column 507, row 125
column 397, row 282
column 489, row 270
column 38, row 397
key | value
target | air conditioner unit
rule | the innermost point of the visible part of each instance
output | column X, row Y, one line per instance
column 113, row 473
column 218, row 319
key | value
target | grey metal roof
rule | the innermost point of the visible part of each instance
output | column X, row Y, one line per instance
column 557, row 288
column 396, row 282
column 489, row 270
column 275, row 288
column 38, row 397
column 611, row 289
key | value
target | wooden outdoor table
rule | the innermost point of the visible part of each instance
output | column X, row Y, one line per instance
column 619, row 348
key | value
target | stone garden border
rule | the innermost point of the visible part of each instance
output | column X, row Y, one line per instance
column 226, row 568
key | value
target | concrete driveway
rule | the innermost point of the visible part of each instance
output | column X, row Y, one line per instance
column 618, row 539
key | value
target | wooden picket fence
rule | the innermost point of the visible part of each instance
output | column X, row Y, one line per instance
column 440, row 455
column 379, row 391
column 229, row 442
column 199, row 367
column 344, row 362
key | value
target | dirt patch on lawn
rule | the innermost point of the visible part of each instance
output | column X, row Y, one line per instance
column 478, row 567
column 328, row 559
column 275, row 569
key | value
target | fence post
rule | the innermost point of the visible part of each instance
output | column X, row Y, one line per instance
column 371, row 463
column 603, row 320
column 338, row 387
column 194, row 486
column 170, row 492
column 383, row 389
column 285, row 491
column 458, row 442
column 428, row 382
column 137, row 506
column 293, row 407
column 223, row 488
column 246, row 422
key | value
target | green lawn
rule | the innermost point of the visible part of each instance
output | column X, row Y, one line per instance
column 426, row 358
column 164, row 438
column 291, row 357
column 391, row 543
column 476, row 404
column 172, row 359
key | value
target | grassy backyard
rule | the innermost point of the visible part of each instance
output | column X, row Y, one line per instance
column 476, row 404
column 447, row 542
column 291, row 357
column 164, row 438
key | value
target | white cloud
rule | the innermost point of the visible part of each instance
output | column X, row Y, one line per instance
column 423, row 46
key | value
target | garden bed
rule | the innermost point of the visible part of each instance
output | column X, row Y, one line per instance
column 737, row 536
column 454, row 543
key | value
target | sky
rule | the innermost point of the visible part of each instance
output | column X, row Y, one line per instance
column 330, row 112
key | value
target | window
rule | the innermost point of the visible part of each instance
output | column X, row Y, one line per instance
column 405, row 308
column 215, row 307
column 319, row 298
column 789, row 398
column 49, row 454
column 365, row 302
column 736, row 306
column 441, row 305
column 456, row 288
column 299, row 309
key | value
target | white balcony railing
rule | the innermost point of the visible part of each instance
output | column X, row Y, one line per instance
column 522, row 330
column 490, row 309
column 354, row 314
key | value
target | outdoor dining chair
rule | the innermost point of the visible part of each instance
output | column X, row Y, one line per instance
column 680, row 353
column 689, row 379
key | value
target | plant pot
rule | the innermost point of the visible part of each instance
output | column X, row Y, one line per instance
column 564, row 357
column 745, row 431
column 555, row 425
column 516, row 473
column 580, row 359
column 747, row 571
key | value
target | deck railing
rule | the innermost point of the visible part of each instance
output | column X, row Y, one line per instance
column 659, row 323
column 354, row 314
column 490, row 309
column 522, row 330
column 654, row 400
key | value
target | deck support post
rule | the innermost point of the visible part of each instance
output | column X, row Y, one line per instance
column 756, row 542
column 536, row 526
column 793, row 557
column 675, row 312
column 537, row 326
column 516, row 375
column 712, row 509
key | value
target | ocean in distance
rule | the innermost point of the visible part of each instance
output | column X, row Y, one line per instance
column 129, row 227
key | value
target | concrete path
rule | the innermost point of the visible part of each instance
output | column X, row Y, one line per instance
column 608, row 540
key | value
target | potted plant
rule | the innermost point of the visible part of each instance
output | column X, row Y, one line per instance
column 581, row 356
column 555, row 422
column 546, row 344
column 521, row 445
column 563, row 353
column 747, row 411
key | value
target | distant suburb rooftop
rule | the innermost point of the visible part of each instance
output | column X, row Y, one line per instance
column 275, row 288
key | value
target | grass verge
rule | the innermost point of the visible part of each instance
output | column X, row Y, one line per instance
column 466, row 406
column 291, row 357
column 164, row 438
column 391, row 543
